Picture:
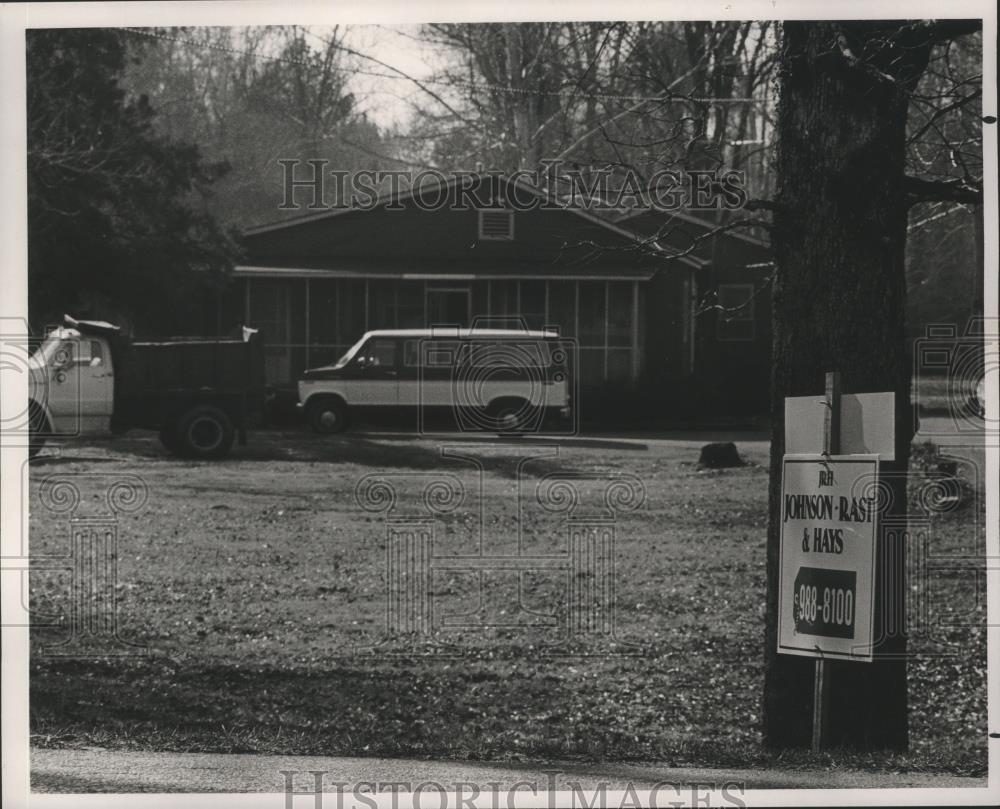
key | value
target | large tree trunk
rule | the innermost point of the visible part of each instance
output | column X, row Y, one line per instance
column 839, row 238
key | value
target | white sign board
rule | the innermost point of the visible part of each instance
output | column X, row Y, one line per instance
column 867, row 422
column 829, row 524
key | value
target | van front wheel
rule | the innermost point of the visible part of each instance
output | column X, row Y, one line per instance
column 327, row 416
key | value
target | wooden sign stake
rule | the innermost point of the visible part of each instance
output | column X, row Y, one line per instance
column 821, row 683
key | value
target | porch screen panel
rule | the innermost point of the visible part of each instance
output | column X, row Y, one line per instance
column 641, row 295
column 297, row 326
column 480, row 310
column 532, row 307
column 592, row 333
column 620, row 314
column 270, row 313
column 619, row 365
column 232, row 311
column 503, row 304
column 350, row 312
column 324, row 346
column 382, row 304
column 562, row 307
column 410, row 305
column 620, row 322
column 268, row 304
column 592, row 303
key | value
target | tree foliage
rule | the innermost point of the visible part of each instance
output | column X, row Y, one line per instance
column 251, row 96
column 118, row 217
column 642, row 95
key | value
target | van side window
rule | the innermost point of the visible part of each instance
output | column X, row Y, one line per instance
column 411, row 353
column 96, row 351
column 381, row 352
column 440, row 355
column 509, row 355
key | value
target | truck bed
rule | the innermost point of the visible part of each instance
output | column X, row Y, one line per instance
column 189, row 364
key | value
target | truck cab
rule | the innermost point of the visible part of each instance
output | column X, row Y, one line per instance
column 73, row 382
column 198, row 393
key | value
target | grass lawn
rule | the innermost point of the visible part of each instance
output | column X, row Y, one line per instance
column 256, row 587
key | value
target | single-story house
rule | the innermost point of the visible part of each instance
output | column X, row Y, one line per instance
column 632, row 294
column 725, row 325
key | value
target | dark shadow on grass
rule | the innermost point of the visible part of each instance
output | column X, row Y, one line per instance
column 60, row 460
column 61, row 783
column 540, row 439
column 408, row 709
column 396, row 710
column 499, row 456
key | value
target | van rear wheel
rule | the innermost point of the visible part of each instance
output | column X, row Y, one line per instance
column 513, row 417
column 327, row 415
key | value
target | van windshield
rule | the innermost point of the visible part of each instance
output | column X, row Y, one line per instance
column 349, row 354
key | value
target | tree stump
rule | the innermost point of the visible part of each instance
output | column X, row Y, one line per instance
column 721, row 455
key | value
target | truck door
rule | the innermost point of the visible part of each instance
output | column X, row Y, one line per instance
column 81, row 391
column 97, row 386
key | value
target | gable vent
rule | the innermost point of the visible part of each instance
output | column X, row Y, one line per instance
column 496, row 224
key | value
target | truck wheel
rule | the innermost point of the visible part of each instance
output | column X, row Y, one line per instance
column 327, row 415
column 38, row 429
column 204, row 432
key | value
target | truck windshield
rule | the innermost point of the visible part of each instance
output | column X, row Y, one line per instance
column 45, row 352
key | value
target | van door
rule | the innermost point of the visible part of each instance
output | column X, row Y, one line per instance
column 372, row 377
column 431, row 372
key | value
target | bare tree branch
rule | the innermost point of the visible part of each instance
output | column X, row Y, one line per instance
column 919, row 190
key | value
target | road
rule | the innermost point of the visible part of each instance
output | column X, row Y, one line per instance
column 95, row 770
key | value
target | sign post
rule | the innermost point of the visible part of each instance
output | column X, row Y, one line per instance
column 830, row 522
column 831, row 446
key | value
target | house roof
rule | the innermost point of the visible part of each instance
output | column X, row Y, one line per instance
column 553, row 238
column 649, row 221
column 717, row 243
column 457, row 332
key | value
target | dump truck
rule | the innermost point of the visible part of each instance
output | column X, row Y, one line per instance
column 200, row 394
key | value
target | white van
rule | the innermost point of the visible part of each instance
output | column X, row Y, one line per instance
column 493, row 380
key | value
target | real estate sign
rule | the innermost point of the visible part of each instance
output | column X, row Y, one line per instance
column 829, row 525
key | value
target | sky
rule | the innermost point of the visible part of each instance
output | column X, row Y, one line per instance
column 389, row 102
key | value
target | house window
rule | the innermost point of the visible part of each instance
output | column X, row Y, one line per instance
column 496, row 224
column 736, row 317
